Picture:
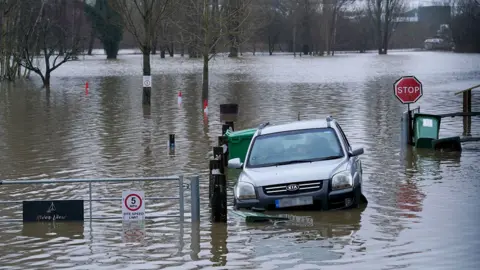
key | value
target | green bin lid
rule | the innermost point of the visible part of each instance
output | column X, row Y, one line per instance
column 241, row 134
column 425, row 115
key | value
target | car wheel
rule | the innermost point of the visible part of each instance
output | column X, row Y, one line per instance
column 357, row 197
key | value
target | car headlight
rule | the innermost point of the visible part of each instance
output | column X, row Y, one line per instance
column 245, row 191
column 342, row 180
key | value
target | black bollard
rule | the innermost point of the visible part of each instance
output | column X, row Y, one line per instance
column 467, row 109
column 213, row 165
column 231, row 125
column 171, row 141
column 225, row 127
column 218, row 203
column 222, row 140
column 218, row 154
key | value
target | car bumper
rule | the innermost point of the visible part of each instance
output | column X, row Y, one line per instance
column 322, row 199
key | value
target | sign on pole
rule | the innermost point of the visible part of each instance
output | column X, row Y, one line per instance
column 147, row 81
column 408, row 89
column 133, row 205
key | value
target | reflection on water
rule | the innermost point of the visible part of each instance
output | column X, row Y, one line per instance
column 133, row 231
column 423, row 206
column 51, row 230
column 218, row 243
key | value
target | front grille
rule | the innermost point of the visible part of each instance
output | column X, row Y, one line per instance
column 303, row 187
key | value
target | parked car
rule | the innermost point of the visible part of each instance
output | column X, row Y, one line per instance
column 438, row 44
column 308, row 164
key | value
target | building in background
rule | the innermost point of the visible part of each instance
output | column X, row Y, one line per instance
column 415, row 26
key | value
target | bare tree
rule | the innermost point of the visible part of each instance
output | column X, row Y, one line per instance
column 140, row 18
column 206, row 28
column 48, row 33
column 331, row 11
column 8, row 38
column 260, row 16
column 244, row 18
column 275, row 21
column 384, row 15
column 466, row 26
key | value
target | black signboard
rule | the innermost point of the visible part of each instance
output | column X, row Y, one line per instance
column 58, row 210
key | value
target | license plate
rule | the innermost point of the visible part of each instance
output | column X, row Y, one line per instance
column 297, row 201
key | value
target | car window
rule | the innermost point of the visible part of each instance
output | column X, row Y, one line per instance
column 344, row 136
column 299, row 145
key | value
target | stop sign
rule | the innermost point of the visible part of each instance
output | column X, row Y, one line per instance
column 408, row 89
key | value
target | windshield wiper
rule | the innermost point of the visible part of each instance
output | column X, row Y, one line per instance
column 305, row 160
column 328, row 158
column 293, row 162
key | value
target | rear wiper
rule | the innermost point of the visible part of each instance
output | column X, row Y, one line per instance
column 293, row 162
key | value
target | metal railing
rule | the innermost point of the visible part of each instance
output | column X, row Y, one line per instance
column 194, row 190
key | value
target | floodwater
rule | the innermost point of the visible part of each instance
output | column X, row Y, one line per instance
column 422, row 211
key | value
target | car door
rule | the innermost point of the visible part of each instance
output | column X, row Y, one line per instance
column 354, row 161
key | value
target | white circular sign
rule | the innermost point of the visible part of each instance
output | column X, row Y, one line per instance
column 147, row 81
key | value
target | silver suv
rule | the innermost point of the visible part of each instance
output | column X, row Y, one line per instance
column 308, row 164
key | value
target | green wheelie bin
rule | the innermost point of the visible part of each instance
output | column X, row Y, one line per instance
column 426, row 129
column 238, row 142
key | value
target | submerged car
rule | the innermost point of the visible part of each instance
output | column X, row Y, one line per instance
column 307, row 164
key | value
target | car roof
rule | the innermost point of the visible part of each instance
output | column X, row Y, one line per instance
column 297, row 125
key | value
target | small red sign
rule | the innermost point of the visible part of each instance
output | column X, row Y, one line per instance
column 133, row 202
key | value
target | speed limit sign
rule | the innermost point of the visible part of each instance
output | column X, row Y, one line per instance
column 133, row 205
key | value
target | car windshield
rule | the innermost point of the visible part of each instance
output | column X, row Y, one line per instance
column 294, row 147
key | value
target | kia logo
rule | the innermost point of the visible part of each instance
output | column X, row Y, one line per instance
column 292, row 187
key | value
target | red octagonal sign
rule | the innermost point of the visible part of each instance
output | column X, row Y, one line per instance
column 408, row 89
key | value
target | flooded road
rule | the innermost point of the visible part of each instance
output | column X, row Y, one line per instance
column 423, row 207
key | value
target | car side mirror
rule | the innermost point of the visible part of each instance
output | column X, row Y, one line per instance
column 356, row 152
column 235, row 163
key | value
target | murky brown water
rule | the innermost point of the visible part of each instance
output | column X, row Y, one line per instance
column 422, row 211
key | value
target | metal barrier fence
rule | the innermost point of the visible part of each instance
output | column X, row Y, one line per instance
column 193, row 186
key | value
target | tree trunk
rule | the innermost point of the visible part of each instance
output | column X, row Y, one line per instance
column 46, row 79
column 154, row 43
column 379, row 26
column 333, row 33
column 215, row 22
column 171, row 50
column 233, row 50
column 233, row 26
column 146, row 72
column 294, row 45
column 305, row 49
column 205, row 77
column 162, row 53
column 270, row 45
column 326, row 27
column 386, row 28
column 111, row 49
column 91, row 41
